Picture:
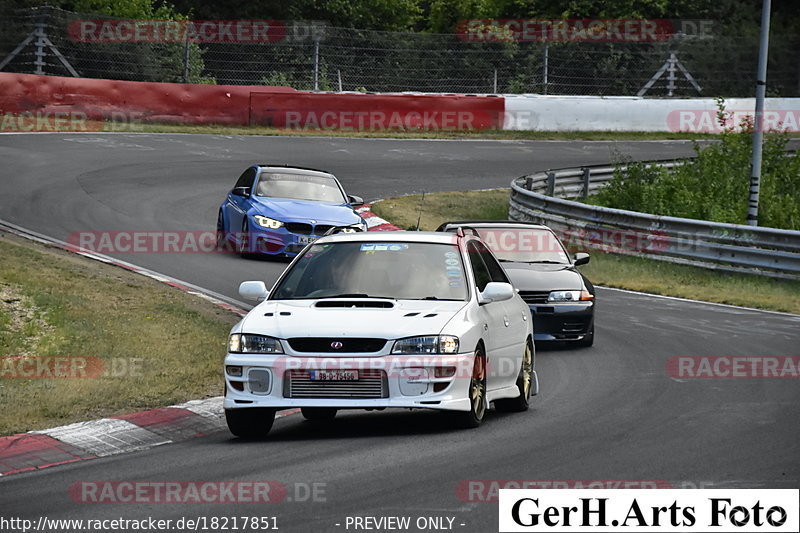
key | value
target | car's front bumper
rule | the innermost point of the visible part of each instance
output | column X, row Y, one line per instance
column 278, row 241
column 562, row 321
column 283, row 382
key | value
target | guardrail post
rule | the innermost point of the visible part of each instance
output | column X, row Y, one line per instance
column 529, row 183
column 551, row 183
column 587, row 175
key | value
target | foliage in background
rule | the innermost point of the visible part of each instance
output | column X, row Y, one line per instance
column 715, row 184
column 427, row 56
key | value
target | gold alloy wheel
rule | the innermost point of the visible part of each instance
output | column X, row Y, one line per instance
column 477, row 389
column 527, row 370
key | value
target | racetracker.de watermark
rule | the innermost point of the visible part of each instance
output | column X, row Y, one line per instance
column 69, row 367
column 200, row 492
column 197, row 31
column 709, row 121
column 580, row 30
column 68, row 121
column 488, row 490
column 733, row 367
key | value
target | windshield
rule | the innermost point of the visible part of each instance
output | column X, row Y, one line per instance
column 398, row 270
column 524, row 245
column 300, row 187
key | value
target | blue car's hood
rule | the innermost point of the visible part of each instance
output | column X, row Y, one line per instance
column 301, row 210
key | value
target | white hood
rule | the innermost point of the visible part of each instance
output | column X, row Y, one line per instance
column 302, row 318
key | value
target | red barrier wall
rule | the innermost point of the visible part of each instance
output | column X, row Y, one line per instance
column 145, row 101
column 370, row 112
column 128, row 101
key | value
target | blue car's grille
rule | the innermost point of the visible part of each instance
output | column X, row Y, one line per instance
column 301, row 228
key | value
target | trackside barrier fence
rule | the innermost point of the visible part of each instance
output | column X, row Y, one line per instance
column 549, row 198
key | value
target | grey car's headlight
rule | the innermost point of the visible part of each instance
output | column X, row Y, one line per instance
column 570, row 296
column 267, row 222
column 246, row 343
column 443, row 344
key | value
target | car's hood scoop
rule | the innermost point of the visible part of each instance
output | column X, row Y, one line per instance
column 350, row 318
column 375, row 304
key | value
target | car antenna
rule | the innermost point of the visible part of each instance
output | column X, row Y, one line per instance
column 421, row 202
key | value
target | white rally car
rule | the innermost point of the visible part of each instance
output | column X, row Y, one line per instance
column 381, row 319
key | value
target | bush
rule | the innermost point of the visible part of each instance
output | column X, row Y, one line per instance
column 715, row 184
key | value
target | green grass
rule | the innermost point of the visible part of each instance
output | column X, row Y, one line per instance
column 612, row 270
column 165, row 346
column 488, row 135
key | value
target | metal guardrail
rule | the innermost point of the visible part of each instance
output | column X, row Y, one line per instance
column 547, row 198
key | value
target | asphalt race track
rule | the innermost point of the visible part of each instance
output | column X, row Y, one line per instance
column 611, row 412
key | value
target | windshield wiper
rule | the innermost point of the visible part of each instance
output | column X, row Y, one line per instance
column 437, row 298
column 549, row 262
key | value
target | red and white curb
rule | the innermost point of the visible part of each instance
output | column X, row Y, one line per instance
column 374, row 222
column 111, row 436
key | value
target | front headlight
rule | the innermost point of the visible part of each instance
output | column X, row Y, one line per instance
column 267, row 222
column 429, row 344
column 570, row 296
column 246, row 343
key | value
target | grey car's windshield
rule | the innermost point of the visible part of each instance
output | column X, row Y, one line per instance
column 524, row 245
column 313, row 187
column 397, row 270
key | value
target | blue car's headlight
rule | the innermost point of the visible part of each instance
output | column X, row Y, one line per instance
column 267, row 222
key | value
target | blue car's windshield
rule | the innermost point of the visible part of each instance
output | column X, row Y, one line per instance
column 317, row 188
column 398, row 270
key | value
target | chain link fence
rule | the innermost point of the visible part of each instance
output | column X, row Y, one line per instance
column 313, row 56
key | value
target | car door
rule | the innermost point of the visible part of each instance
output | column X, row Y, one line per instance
column 510, row 344
column 492, row 316
column 236, row 205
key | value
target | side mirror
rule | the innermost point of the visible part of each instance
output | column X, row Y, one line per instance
column 581, row 258
column 241, row 191
column 253, row 290
column 496, row 292
column 355, row 200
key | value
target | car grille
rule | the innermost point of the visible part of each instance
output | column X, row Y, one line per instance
column 371, row 383
column 535, row 297
column 301, row 228
column 561, row 328
column 345, row 345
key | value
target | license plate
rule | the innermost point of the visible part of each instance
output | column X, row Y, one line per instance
column 306, row 239
column 333, row 375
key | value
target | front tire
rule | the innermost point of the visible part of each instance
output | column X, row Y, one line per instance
column 524, row 385
column 222, row 235
column 587, row 339
column 250, row 423
column 244, row 240
column 477, row 394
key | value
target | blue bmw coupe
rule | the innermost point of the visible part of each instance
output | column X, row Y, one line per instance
column 278, row 210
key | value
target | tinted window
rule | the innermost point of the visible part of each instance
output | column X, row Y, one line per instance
column 479, row 269
column 246, row 179
column 496, row 272
column 315, row 187
column 401, row 270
